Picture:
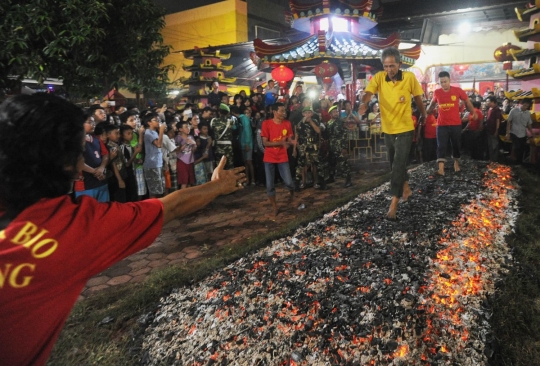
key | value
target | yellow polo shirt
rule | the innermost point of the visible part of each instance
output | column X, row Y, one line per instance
column 395, row 100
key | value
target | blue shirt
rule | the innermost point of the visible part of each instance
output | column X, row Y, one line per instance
column 153, row 157
column 246, row 135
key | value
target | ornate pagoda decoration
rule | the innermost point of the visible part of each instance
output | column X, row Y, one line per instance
column 530, row 75
column 206, row 67
column 334, row 27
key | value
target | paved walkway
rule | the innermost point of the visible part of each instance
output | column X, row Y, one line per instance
column 229, row 220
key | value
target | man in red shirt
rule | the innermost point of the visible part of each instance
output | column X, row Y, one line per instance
column 449, row 120
column 277, row 136
column 50, row 244
column 471, row 132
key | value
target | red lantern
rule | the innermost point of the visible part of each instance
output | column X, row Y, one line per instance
column 282, row 75
column 502, row 53
column 325, row 70
column 327, row 80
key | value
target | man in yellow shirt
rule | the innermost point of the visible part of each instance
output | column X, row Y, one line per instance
column 396, row 89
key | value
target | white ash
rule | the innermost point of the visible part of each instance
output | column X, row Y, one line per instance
column 350, row 288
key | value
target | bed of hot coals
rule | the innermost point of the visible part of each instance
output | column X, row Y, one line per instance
column 354, row 288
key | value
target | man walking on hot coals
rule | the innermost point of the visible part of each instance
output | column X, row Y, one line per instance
column 338, row 147
column 449, row 120
column 395, row 88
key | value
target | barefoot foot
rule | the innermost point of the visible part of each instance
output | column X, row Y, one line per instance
column 392, row 211
column 406, row 191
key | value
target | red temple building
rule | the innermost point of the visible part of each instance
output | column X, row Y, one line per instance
column 530, row 75
column 207, row 67
column 334, row 28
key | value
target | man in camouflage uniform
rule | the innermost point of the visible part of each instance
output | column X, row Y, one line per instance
column 222, row 128
column 338, row 146
column 307, row 145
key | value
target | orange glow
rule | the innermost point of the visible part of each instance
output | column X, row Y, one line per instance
column 460, row 268
column 402, row 351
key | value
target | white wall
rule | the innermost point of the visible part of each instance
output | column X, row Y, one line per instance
column 474, row 47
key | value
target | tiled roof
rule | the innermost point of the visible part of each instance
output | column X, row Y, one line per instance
column 336, row 46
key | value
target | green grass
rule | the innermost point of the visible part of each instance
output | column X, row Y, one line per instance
column 84, row 341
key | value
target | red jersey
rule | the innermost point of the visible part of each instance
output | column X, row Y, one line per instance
column 276, row 132
column 48, row 253
column 449, row 114
column 430, row 127
column 474, row 124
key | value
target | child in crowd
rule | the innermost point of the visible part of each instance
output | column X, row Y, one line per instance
column 153, row 157
column 129, row 153
column 205, row 144
column 184, row 164
column 169, row 149
column 201, row 153
column 246, row 143
column 117, row 185
column 96, row 158
column 131, row 119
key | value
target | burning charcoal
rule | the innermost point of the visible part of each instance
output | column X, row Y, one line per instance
column 351, row 287
column 296, row 356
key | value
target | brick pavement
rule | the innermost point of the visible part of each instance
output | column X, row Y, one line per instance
column 229, row 220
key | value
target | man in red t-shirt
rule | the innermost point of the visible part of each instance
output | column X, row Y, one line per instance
column 471, row 132
column 449, row 120
column 277, row 136
column 51, row 244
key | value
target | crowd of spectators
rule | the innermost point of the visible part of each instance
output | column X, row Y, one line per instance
column 132, row 154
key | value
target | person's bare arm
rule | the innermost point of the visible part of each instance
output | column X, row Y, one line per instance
column 121, row 183
column 267, row 143
column 315, row 127
column 470, row 108
column 363, row 105
column 159, row 140
column 420, row 105
column 431, row 106
column 185, row 201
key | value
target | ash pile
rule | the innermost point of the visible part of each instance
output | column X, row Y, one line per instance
column 354, row 288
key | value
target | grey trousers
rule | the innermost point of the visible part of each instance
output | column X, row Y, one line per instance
column 398, row 147
column 493, row 147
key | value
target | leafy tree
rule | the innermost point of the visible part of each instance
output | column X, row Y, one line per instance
column 91, row 44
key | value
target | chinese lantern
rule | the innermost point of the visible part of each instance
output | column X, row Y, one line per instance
column 282, row 75
column 502, row 53
column 325, row 70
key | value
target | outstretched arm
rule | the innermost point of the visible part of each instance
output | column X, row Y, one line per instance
column 185, row 201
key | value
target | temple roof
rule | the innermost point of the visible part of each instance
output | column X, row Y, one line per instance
column 526, row 53
column 520, row 94
column 205, row 52
column 337, row 46
column 524, row 34
column 203, row 67
column 521, row 73
column 314, row 8
column 203, row 79
column 525, row 14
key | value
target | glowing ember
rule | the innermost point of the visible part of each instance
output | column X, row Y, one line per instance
column 351, row 288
